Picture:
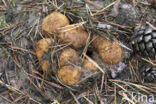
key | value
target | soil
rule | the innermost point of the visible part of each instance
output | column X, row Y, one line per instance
column 22, row 80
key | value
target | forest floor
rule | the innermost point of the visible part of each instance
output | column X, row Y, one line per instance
column 21, row 77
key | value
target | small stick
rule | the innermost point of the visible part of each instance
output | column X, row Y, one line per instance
column 149, row 61
column 11, row 88
column 121, row 26
column 74, row 97
column 93, row 4
column 5, row 99
column 4, row 3
column 51, row 83
column 102, row 82
column 22, row 49
column 75, row 26
column 94, row 63
column 102, row 10
column 2, row 8
column 90, row 102
column 152, row 26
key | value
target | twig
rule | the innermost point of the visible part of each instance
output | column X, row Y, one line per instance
column 86, row 46
column 102, row 82
column 75, row 26
column 94, row 4
column 105, row 8
column 115, row 10
column 19, row 98
column 22, row 49
column 12, row 98
column 90, row 102
column 94, row 63
column 123, row 94
column 74, row 97
column 15, row 90
column 115, row 97
column 51, row 83
column 121, row 26
column 11, row 88
column 26, row 2
column 152, row 26
column 141, row 87
column 6, row 29
column 66, row 45
column 4, row 3
column 2, row 8
column 149, row 61
column 5, row 99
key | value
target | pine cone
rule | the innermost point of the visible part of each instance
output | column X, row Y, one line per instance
column 144, row 42
column 149, row 74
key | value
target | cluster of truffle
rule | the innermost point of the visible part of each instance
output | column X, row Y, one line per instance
column 70, row 72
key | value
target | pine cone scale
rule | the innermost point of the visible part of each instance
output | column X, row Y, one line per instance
column 149, row 74
column 144, row 42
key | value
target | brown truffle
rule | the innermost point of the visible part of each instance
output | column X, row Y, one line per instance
column 52, row 22
column 89, row 66
column 69, row 75
column 42, row 52
column 110, row 52
column 68, row 55
column 74, row 34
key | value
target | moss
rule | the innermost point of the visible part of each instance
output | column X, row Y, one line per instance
column 3, row 23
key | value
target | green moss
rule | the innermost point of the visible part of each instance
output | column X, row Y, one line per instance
column 3, row 22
